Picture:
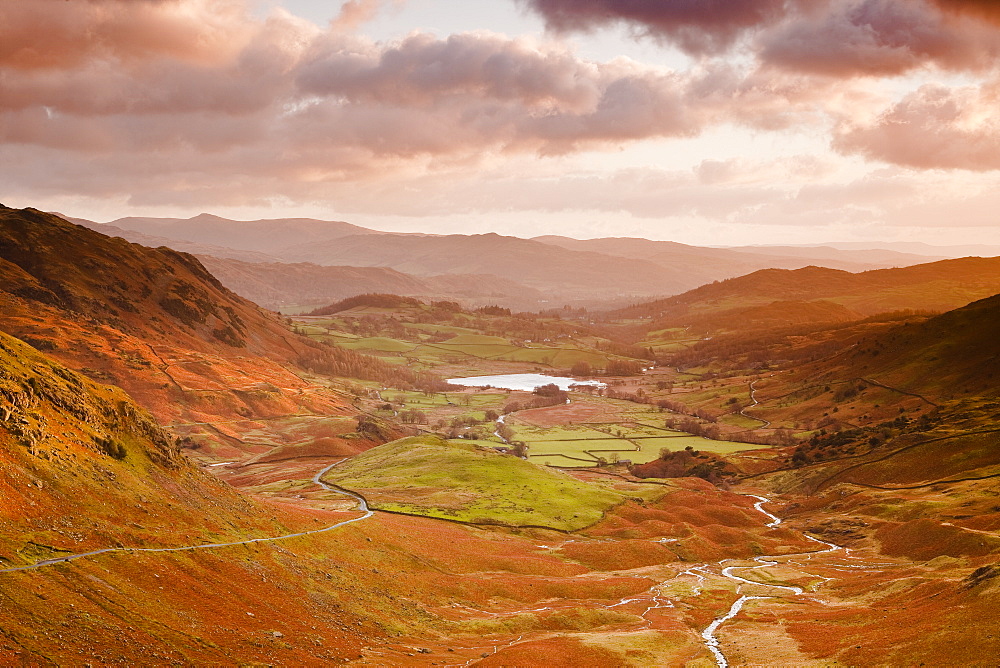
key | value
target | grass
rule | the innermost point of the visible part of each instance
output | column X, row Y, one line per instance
column 378, row 344
column 455, row 480
column 583, row 444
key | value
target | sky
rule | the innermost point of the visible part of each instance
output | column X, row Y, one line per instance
column 713, row 122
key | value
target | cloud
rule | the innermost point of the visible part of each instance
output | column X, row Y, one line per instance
column 988, row 9
column 934, row 127
column 52, row 34
column 355, row 13
column 879, row 38
column 697, row 26
column 224, row 107
column 838, row 38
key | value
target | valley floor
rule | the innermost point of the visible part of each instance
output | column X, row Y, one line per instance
column 698, row 577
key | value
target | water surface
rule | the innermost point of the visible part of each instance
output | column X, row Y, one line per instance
column 522, row 381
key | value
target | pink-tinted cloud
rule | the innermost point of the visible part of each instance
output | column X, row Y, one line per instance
column 355, row 13
column 831, row 37
column 697, row 26
column 225, row 107
column 988, row 9
column 44, row 34
column 933, row 128
column 879, row 38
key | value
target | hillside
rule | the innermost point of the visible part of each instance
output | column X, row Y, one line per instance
column 851, row 386
column 64, row 438
column 156, row 323
column 773, row 315
column 935, row 286
column 115, row 549
column 953, row 355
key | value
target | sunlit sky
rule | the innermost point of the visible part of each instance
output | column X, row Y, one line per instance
column 723, row 122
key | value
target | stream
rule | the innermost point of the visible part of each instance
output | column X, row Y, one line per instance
column 709, row 634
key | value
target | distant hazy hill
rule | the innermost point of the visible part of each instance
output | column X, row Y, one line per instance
column 712, row 264
column 831, row 256
column 476, row 267
column 263, row 236
column 274, row 285
column 562, row 273
column 178, row 245
column 935, row 286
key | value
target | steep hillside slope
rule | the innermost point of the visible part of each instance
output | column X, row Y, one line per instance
column 160, row 294
column 156, row 323
column 83, row 467
column 952, row 355
column 115, row 549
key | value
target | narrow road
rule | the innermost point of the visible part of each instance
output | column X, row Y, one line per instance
column 362, row 506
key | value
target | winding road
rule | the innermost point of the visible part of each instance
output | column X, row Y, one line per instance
column 362, row 506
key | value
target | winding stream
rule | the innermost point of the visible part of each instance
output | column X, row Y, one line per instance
column 709, row 634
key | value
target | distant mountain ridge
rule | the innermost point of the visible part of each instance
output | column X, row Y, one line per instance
column 706, row 264
column 935, row 286
column 559, row 269
column 263, row 236
column 276, row 285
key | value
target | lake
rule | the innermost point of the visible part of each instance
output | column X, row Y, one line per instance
column 522, row 381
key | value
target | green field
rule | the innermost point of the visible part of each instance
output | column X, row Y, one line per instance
column 456, row 480
column 418, row 344
column 585, row 444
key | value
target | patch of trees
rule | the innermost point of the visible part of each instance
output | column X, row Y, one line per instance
column 625, row 350
column 551, row 391
column 493, row 310
column 333, row 361
column 372, row 428
column 413, row 416
column 373, row 300
column 687, row 463
column 623, row 368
